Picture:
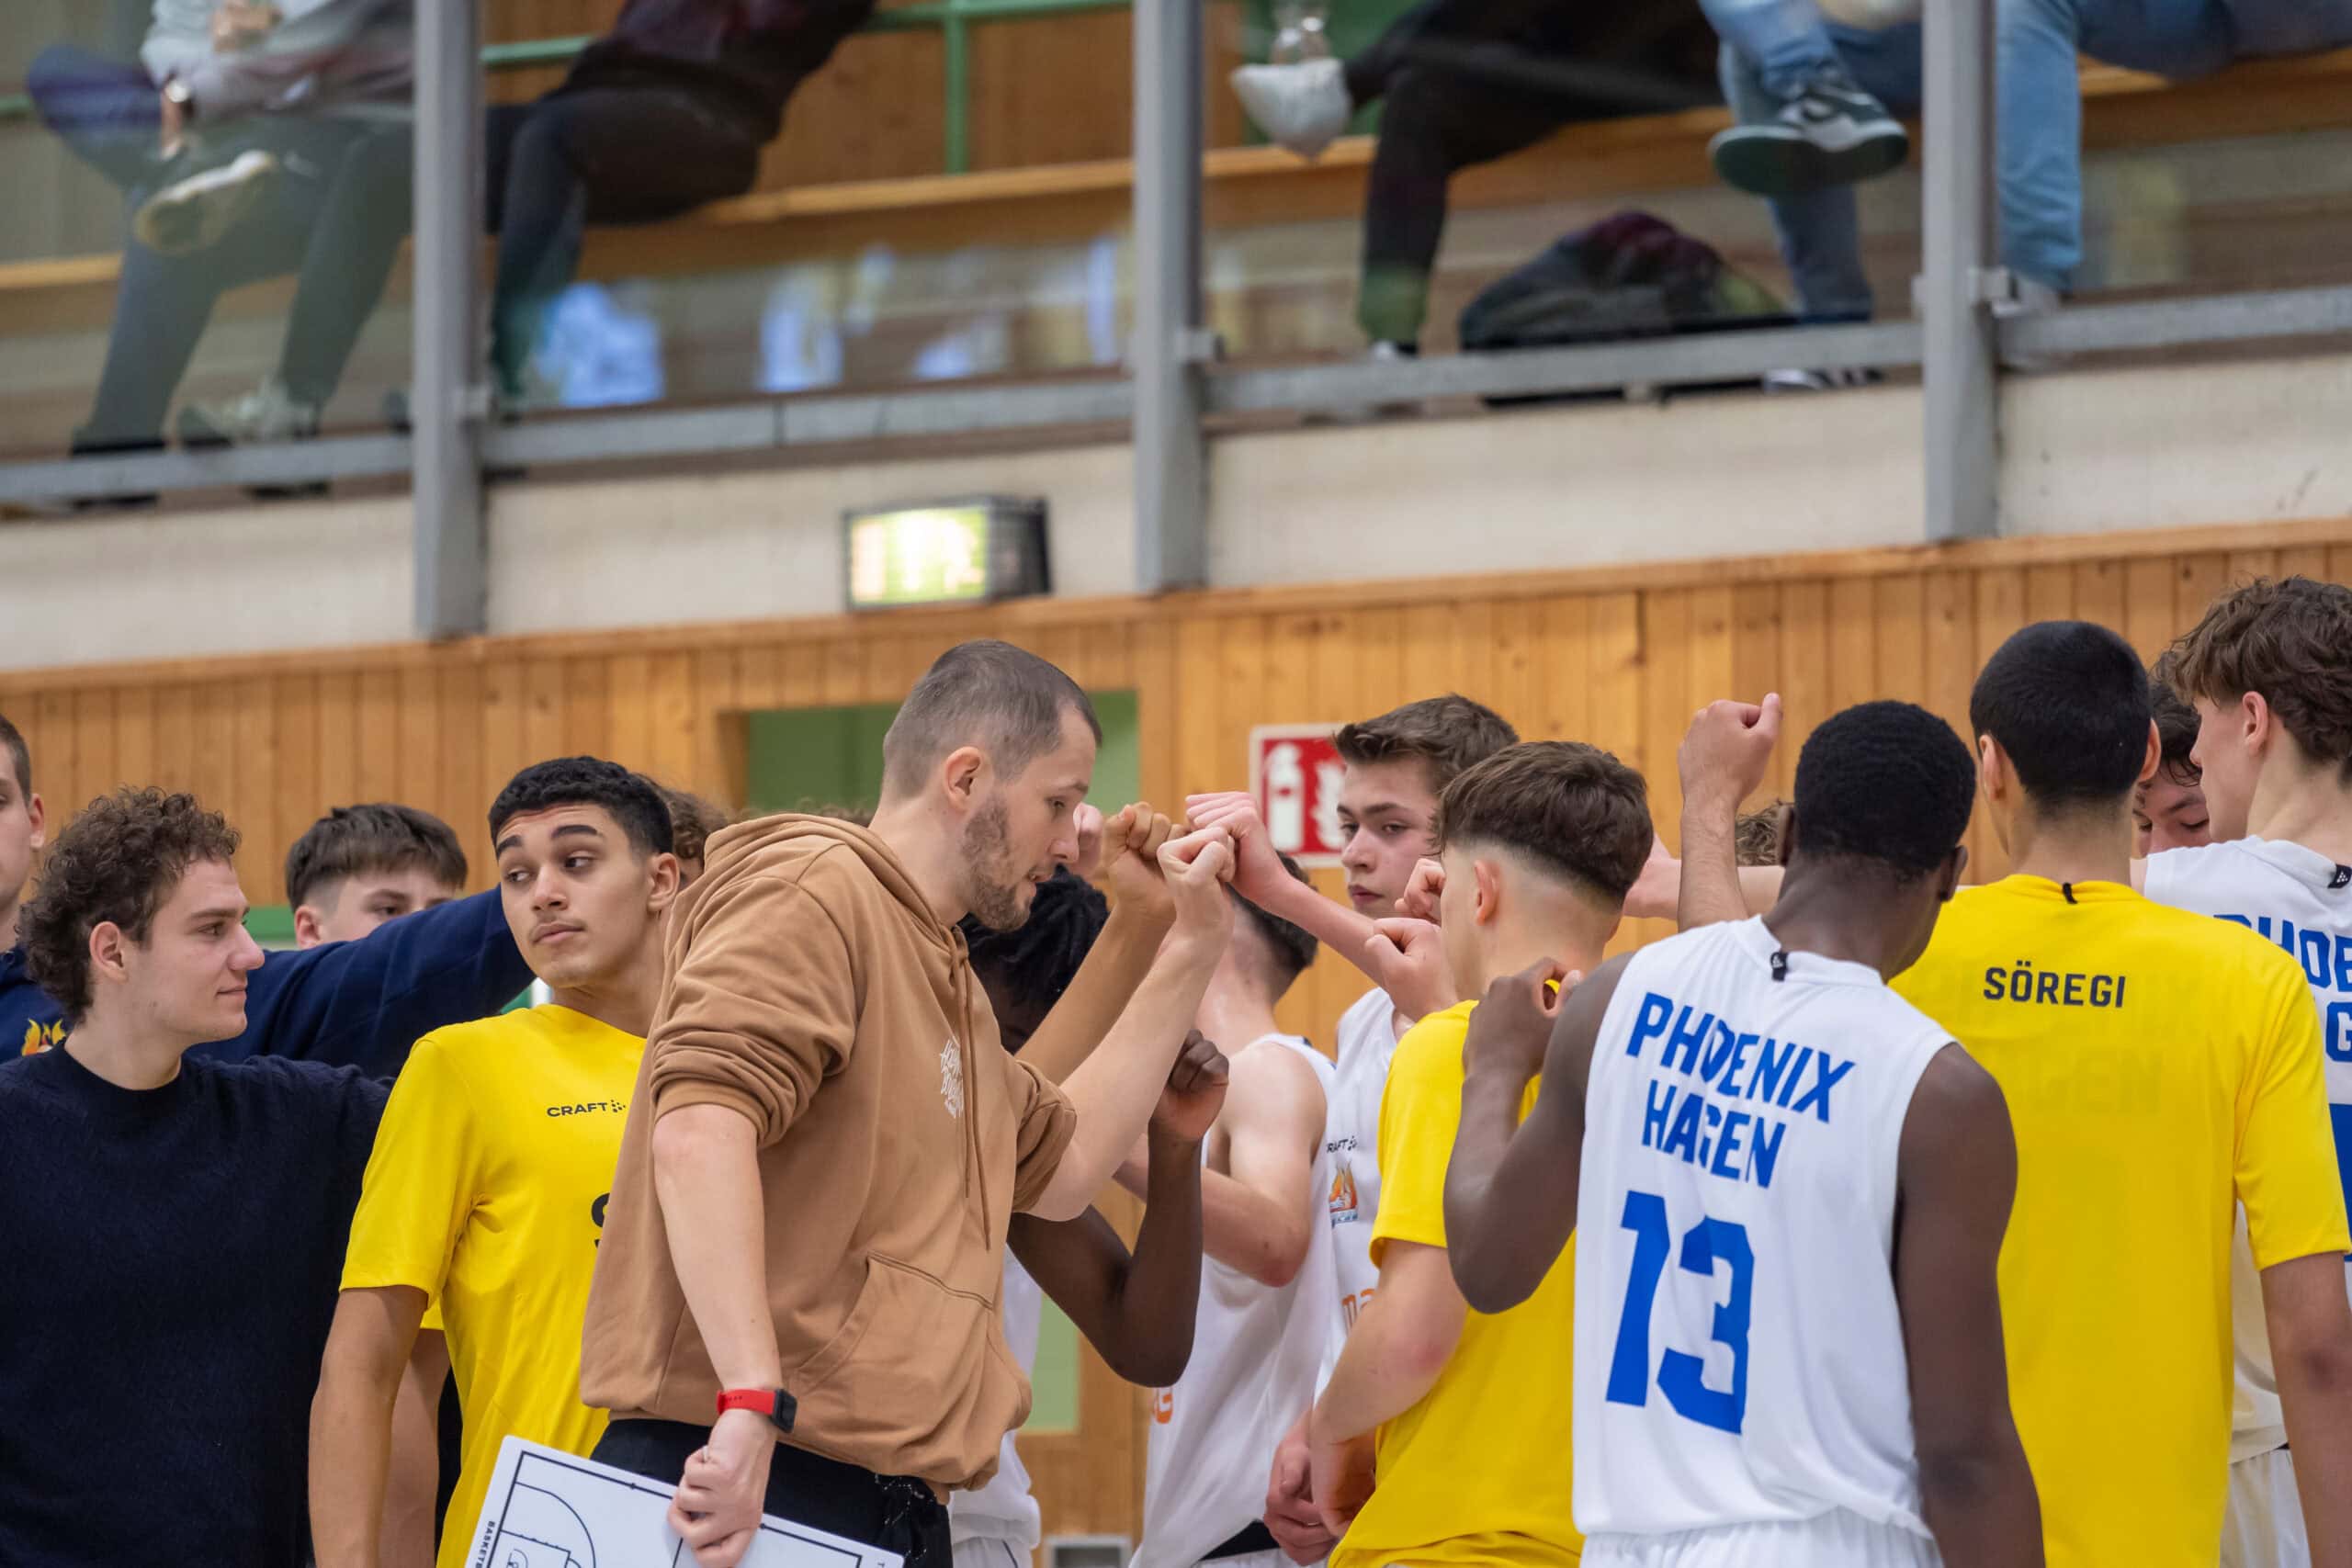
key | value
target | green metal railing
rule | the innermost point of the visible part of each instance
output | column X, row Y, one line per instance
column 954, row 19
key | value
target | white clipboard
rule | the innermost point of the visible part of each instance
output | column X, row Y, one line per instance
column 549, row 1509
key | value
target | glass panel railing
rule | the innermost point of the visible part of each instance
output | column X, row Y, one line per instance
column 197, row 254
column 822, row 199
column 1536, row 176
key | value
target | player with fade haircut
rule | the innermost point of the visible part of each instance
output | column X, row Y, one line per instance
column 2267, row 672
column 1396, row 766
column 1788, row 1188
column 359, row 866
column 1442, row 1435
column 2159, row 1071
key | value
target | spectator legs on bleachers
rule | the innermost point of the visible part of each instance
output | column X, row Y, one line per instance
column 2041, row 118
column 105, row 109
column 596, row 155
column 1810, row 126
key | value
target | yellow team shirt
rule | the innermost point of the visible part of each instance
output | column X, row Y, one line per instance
column 1477, row 1472
column 486, row 1190
column 2158, row 1065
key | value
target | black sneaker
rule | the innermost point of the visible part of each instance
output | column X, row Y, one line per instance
column 1830, row 132
column 85, row 445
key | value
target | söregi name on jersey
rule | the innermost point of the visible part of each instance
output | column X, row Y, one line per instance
column 1742, row 1089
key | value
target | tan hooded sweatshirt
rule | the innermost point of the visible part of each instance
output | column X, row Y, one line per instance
column 807, row 985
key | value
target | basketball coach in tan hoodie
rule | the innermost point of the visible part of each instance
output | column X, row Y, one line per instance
column 826, row 1142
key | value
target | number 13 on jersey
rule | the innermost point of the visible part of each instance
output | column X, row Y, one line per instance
column 1681, row 1376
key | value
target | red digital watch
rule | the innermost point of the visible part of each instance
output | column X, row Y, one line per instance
column 778, row 1406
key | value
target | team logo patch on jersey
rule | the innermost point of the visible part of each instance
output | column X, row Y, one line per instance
column 1344, row 1197
column 951, row 1079
column 1163, row 1405
column 39, row 1037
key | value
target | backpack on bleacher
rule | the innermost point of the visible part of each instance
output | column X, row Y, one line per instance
column 1630, row 275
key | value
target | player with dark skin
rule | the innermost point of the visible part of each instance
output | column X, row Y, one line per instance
column 1512, row 1188
column 1136, row 1308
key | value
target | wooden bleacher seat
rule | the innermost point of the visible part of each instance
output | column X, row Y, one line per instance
column 1248, row 185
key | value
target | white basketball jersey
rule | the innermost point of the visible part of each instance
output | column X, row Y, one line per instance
column 2301, row 900
column 1366, row 1042
column 1257, row 1352
column 1003, row 1510
column 1738, row 1351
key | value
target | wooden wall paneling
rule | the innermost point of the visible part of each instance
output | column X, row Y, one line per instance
column 417, row 770
column 587, row 717
column 721, row 764
column 2339, row 563
column 213, row 761
column 2048, row 597
column 1053, row 90
column 2098, row 593
column 507, row 722
column 1559, row 696
column 1331, row 685
column 48, row 729
column 1107, row 654
column 175, row 765
column 842, row 672
column 379, row 737
column 1512, row 625
column 629, row 710
column 295, row 696
column 1899, row 623
column 1614, row 669
column 2303, row 560
column 759, row 677
column 2198, row 580
column 1158, row 681
column 1471, row 622
column 465, row 786
column 1853, row 642
column 2147, row 605
column 1804, row 679
column 670, row 720
column 1949, row 624
column 1195, row 658
column 2244, row 566
column 338, row 737
column 1756, row 662
column 134, row 733
column 1429, row 645
column 93, row 740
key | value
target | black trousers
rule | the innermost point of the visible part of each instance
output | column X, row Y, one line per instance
column 1463, row 83
column 896, row 1513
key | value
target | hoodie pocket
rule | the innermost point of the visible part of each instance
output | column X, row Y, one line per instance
column 915, row 1382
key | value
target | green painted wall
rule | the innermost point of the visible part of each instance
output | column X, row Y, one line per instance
column 806, row 758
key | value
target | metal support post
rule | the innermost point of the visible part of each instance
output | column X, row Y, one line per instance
column 448, row 401
column 1171, row 549
column 1956, row 293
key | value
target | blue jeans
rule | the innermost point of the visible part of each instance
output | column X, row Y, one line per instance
column 2040, row 129
column 1786, row 41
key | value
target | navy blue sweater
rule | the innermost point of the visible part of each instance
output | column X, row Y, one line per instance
column 168, row 1268
column 358, row 1004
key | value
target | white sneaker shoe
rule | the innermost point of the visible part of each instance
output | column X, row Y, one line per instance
column 197, row 212
column 268, row 413
column 1302, row 107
